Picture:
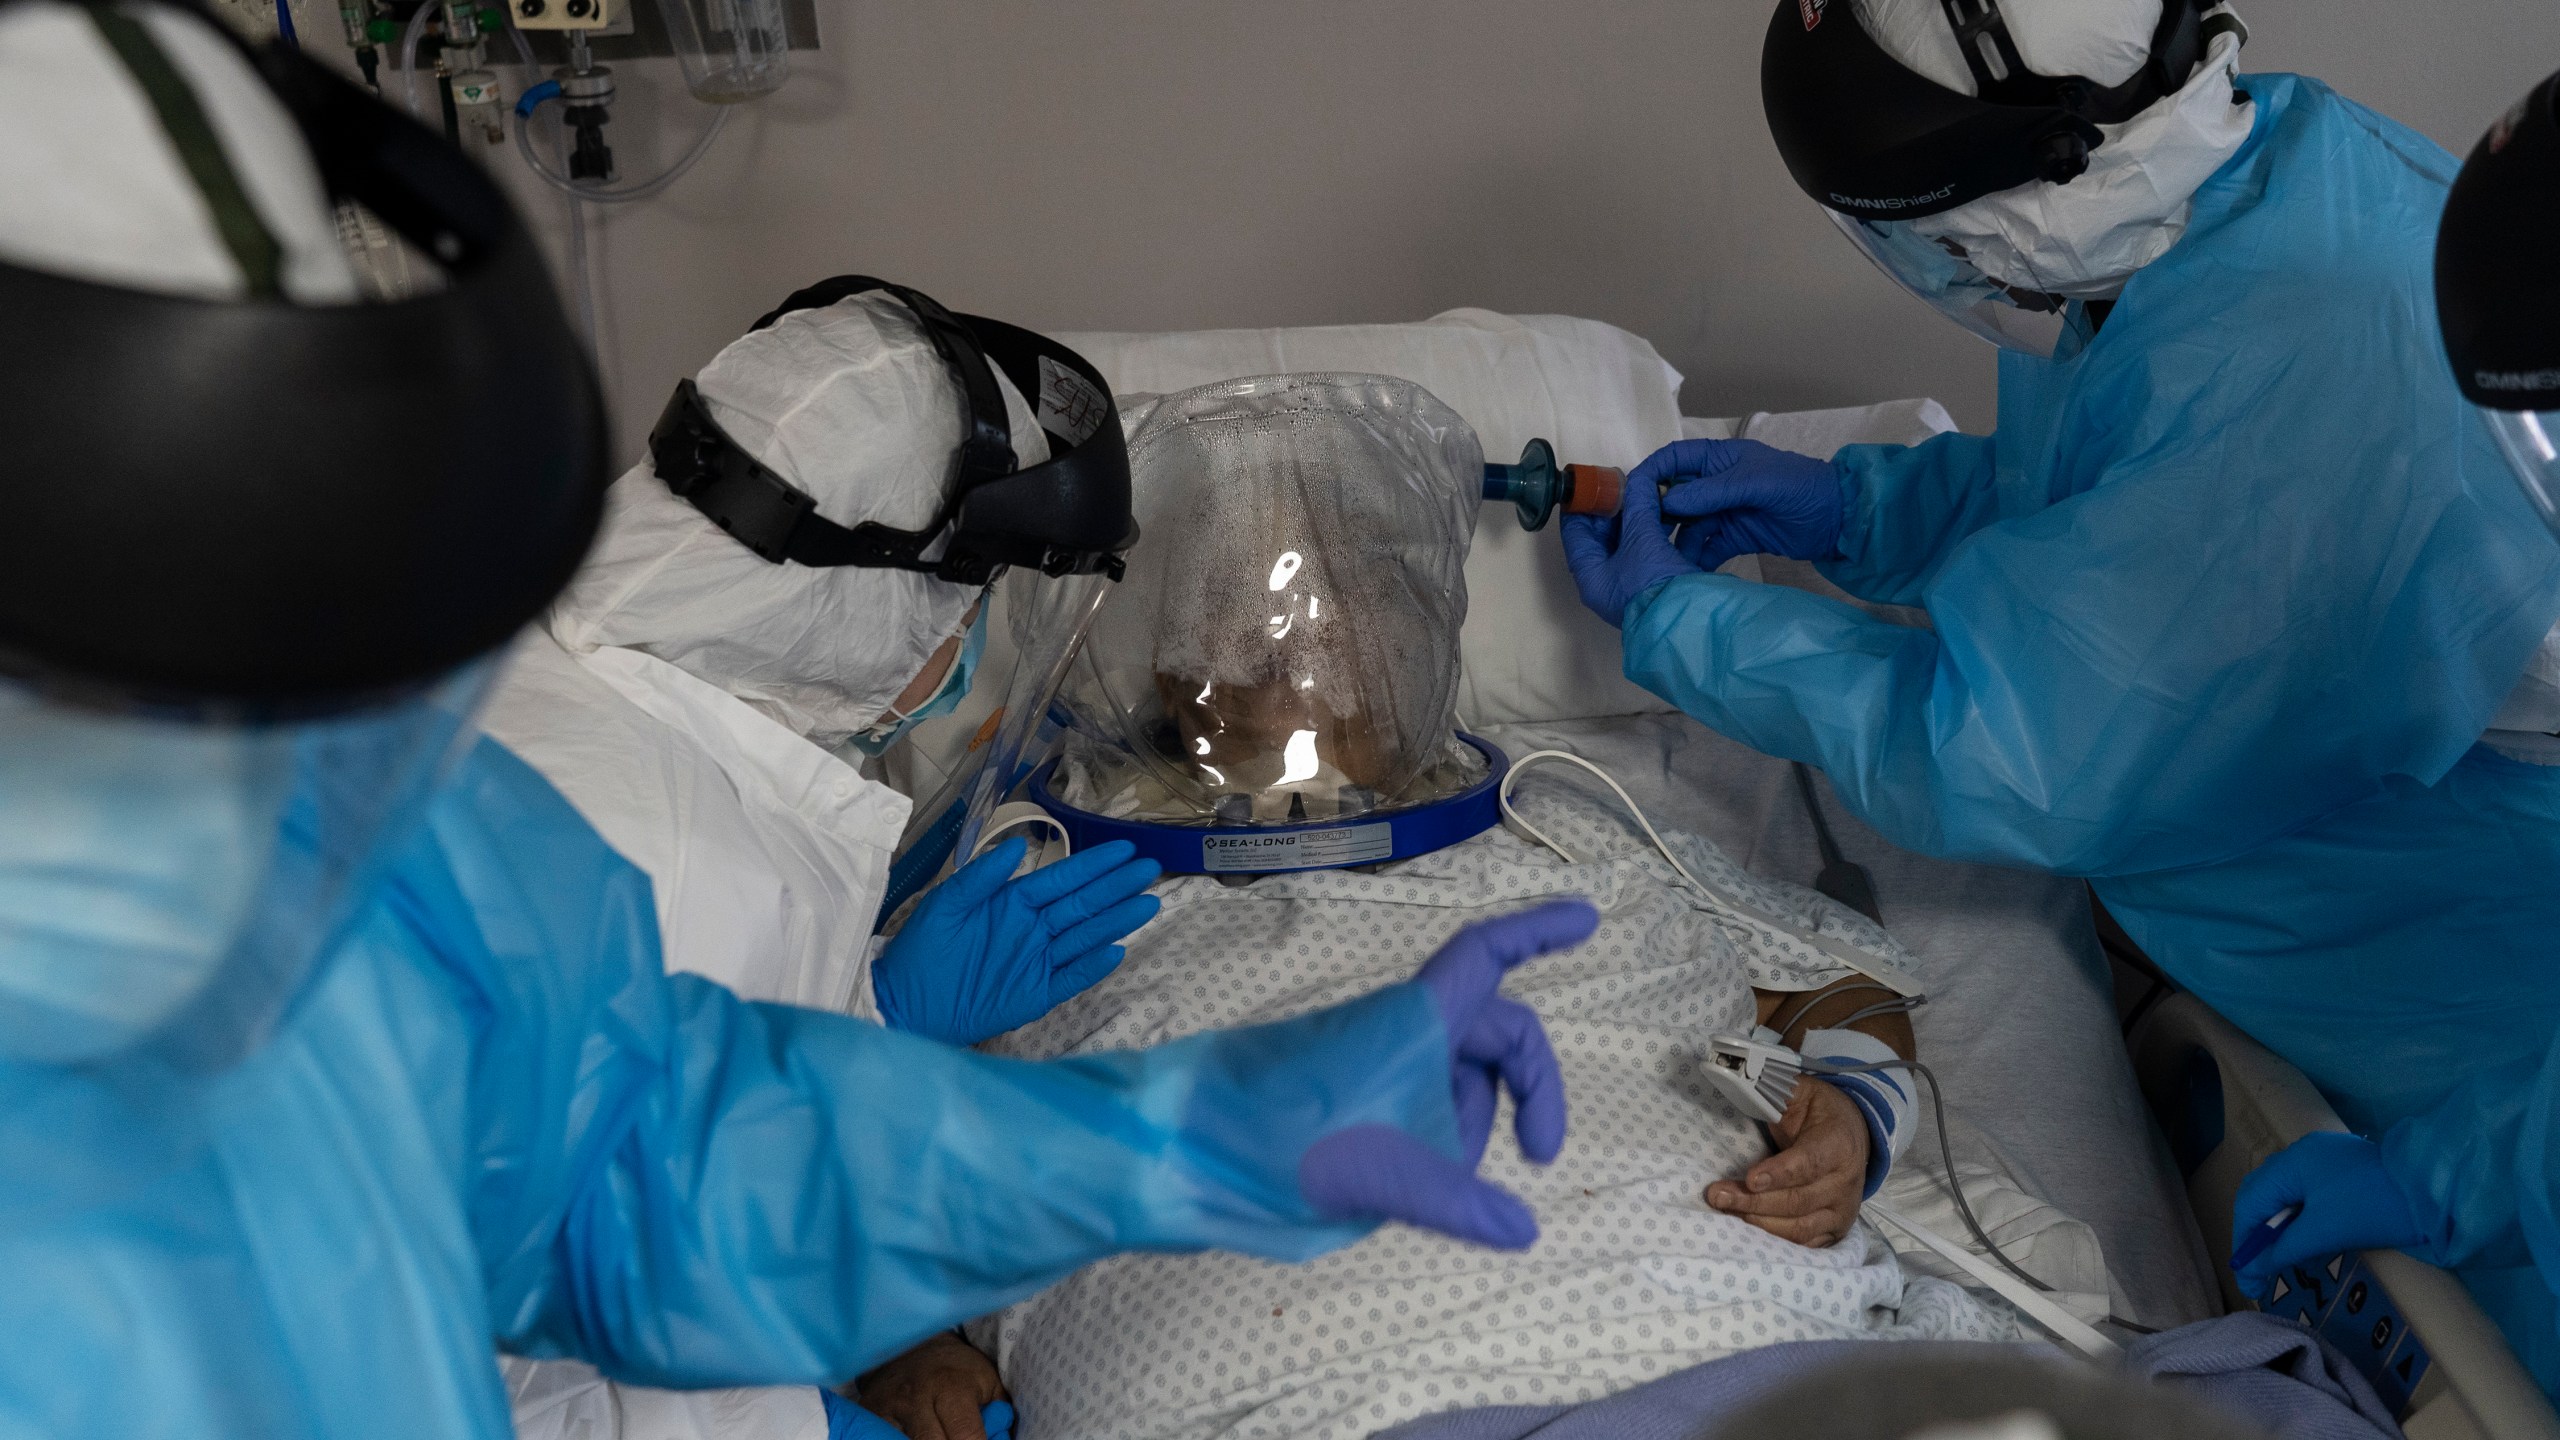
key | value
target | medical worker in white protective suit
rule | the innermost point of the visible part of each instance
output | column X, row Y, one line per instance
column 702, row 707
column 2237, row 612
column 705, row 708
column 336, row 1051
column 2475, row 1182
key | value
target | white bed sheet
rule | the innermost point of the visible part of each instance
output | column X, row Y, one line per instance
column 2020, row 1025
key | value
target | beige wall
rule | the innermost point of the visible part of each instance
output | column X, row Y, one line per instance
column 1171, row 164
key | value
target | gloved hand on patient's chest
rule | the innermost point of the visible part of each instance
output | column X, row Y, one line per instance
column 984, row 953
column 1380, row 1171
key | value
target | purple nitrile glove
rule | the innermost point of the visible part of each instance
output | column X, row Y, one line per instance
column 984, row 953
column 1379, row 1171
column 1615, row 558
column 1740, row 497
column 2348, row 1202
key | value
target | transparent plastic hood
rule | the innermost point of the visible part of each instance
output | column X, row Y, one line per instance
column 1285, row 646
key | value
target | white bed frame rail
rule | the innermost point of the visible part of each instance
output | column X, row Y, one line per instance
column 2409, row 1326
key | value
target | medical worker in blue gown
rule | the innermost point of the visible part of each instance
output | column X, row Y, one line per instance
column 2475, row 1182
column 2237, row 612
column 336, row 1055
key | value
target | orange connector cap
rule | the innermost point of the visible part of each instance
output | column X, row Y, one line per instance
column 1593, row 489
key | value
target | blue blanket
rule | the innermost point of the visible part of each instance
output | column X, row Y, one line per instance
column 2282, row 1378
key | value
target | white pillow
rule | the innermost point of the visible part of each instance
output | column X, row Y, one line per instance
column 1601, row 395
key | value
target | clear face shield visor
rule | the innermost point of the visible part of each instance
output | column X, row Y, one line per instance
column 2030, row 317
column 2531, row 440
column 170, row 882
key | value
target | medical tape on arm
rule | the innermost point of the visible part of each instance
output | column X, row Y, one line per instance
column 1883, row 1095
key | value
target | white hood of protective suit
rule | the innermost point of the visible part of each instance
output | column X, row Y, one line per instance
column 2086, row 238
column 96, row 189
column 851, row 404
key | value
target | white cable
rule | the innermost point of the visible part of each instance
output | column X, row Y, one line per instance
column 2070, row 1328
column 1892, row 976
column 1017, row 815
column 1535, row 836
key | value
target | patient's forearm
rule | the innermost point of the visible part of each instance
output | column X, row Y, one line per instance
column 1796, row 1012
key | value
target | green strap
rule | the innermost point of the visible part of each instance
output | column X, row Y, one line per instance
column 260, row 258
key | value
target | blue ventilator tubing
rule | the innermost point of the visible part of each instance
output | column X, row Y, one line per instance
column 1371, row 838
column 1538, row 486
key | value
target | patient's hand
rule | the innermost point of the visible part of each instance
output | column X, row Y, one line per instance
column 1809, row 1191
column 935, row 1391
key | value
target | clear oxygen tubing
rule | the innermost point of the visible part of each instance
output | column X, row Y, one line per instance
column 616, row 194
column 409, row 59
column 601, row 194
column 579, row 280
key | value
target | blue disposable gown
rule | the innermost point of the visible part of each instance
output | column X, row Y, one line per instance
column 2221, row 610
column 494, row 1122
column 2482, row 1176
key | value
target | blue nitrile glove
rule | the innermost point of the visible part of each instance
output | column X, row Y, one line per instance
column 2349, row 1202
column 1615, row 558
column 983, row 953
column 997, row 1417
column 1740, row 497
column 1377, row 1170
column 848, row 1421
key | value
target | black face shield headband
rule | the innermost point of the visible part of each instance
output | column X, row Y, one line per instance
column 263, row 508
column 1069, row 516
column 1869, row 137
column 2497, row 269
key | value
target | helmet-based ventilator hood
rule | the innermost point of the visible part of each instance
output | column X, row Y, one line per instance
column 1277, row 676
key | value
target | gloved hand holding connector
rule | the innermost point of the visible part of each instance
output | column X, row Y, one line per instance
column 1740, row 497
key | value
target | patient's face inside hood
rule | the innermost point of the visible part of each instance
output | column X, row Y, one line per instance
column 1286, row 643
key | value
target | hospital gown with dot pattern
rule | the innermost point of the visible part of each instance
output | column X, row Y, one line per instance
column 1633, row 1277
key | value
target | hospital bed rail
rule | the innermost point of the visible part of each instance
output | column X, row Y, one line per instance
column 2228, row 1103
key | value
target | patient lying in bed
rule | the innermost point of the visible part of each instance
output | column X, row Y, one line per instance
column 1651, row 1258
column 1301, row 590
